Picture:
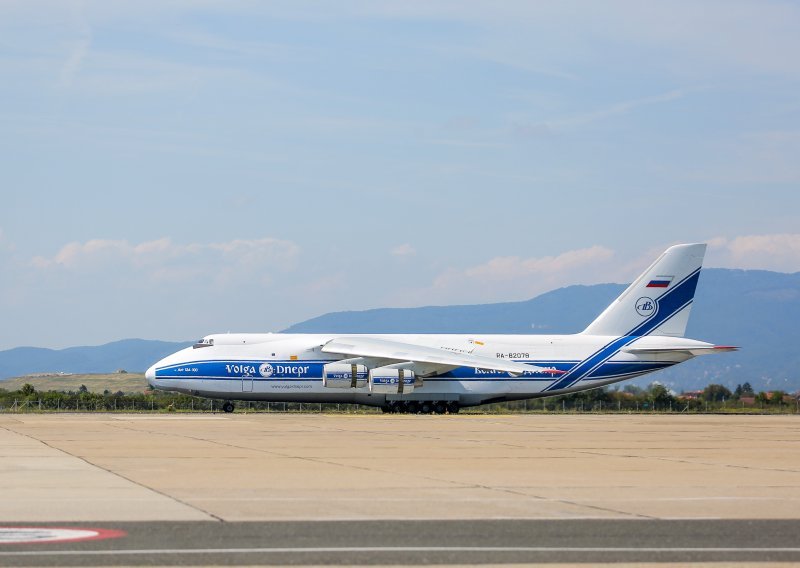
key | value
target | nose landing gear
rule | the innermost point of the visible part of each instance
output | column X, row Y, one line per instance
column 228, row 407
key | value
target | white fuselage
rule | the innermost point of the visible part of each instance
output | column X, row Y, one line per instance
column 639, row 332
column 288, row 367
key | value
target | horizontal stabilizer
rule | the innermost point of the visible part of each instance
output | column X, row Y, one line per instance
column 402, row 352
column 688, row 350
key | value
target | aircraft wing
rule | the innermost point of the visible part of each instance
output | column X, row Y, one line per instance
column 710, row 350
column 402, row 352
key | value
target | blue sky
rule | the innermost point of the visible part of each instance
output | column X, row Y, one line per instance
column 170, row 169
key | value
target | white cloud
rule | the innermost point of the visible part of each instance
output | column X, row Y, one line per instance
column 163, row 260
column 780, row 252
column 102, row 289
column 404, row 250
column 515, row 278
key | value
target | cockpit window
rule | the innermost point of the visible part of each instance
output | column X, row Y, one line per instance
column 203, row 342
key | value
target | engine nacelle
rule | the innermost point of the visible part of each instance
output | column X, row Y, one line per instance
column 391, row 381
column 344, row 376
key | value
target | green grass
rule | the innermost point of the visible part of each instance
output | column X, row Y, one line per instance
column 113, row 382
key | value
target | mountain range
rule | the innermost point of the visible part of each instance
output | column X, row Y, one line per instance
column 756, row 310
column 127, row 354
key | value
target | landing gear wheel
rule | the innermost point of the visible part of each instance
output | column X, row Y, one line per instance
column 426, row 407
column 228, row 406
column 452, row 407
column 412, row 407
column 439, row 407
column 387, row 409
column 398, row 406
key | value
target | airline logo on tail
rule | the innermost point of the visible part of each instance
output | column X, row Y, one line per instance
column 645, row 306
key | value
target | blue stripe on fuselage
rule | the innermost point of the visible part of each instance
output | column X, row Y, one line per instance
column 218, row 370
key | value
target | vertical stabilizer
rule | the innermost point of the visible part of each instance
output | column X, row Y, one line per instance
column 659, row 301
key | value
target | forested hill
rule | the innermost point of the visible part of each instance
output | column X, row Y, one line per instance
column 128, row 354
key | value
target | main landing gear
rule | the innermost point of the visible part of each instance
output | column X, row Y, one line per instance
column 228, row 406
column 421, row 407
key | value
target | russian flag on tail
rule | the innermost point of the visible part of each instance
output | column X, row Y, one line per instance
column 660, row 282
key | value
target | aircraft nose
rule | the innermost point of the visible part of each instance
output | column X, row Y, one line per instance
column 150, row 375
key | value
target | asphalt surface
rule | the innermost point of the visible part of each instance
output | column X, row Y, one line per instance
column 203, row 543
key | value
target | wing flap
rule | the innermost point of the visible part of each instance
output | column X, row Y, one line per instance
column 402, row 352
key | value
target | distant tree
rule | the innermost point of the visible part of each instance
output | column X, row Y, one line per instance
column 28, row 389
column 762, row 398
column 777, row 397
column 82, row 389
column 747, row 389
column 660, row 395
column 738, row 391
column 633, row 389
column 716, row 393
column 585, row 400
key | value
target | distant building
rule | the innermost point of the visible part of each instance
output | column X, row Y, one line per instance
column 690, row 395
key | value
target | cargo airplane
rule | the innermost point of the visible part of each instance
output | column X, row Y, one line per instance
column 640, row 332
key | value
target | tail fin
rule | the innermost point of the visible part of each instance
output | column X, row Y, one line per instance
column 659, row 301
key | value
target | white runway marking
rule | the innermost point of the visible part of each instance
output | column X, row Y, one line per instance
column 14, row 535
column 36, row 535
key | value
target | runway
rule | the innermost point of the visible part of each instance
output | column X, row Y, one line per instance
column 370, row 489
column 424, row 542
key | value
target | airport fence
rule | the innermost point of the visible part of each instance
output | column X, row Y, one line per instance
column 155, row 403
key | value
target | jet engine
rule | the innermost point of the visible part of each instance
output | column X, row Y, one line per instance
column 344, row 376
column 384, row 380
